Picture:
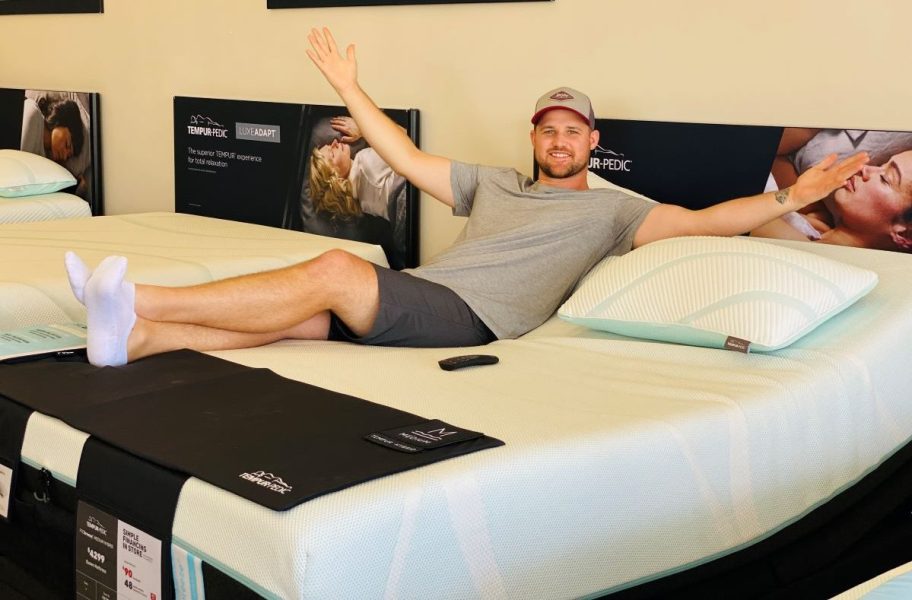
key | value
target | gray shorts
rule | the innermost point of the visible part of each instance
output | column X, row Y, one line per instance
column 418, row 313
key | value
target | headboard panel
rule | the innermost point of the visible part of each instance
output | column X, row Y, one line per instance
column 253, row 161
column 23, row 118
column 698, row 165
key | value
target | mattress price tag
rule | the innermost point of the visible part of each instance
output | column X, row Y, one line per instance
column 113, row 559
column 422, row 436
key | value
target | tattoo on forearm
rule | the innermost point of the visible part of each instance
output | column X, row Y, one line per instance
column 782, row 195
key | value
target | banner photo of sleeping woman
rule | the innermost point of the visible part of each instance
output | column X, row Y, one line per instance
column 58, row 125
column 697, row 165
column 298, row 166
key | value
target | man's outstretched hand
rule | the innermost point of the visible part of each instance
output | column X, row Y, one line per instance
column 824, row 177
column 340, row 71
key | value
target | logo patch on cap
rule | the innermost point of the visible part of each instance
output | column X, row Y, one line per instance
column 561, row 96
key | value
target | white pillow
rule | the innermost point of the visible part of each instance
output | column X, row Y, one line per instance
column 27, row 174
column 596, row 182
column 733, row 293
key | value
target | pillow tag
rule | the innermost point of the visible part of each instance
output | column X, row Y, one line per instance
column 423, row 436
column 737, row 345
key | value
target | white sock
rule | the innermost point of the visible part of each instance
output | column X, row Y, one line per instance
column 109, row 301
column 78, row 274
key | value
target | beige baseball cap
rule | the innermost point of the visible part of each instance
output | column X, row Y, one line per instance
column 568, row 99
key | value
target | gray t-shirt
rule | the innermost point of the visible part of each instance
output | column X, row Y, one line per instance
column 526, row 245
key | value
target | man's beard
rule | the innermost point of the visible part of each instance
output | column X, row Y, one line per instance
column 563, row 173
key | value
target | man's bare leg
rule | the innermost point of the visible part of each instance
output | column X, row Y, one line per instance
column 274, row 303
column 272, row 300
column 151, row 337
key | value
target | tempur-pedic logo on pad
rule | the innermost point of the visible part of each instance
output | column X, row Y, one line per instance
column 206, row 127
column 609, row 160
column 271, row 482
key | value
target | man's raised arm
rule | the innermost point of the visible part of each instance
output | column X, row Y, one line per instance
column 429, row 173
column 746, row 214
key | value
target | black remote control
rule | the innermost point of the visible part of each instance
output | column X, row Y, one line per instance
column 468, row 360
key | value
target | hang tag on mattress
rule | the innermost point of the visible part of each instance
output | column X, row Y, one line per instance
column 423, row 436
column 114, row 559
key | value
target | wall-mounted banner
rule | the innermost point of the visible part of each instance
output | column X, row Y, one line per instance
column 297, row 166
column 24, row 7
column 698, row 165
column 315, row 3
column 62, row 126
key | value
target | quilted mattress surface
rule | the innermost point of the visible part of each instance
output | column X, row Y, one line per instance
column 624, row 460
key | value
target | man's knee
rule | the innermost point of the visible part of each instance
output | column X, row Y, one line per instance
column 339, row 268
column 349, row 288
column 334, row 263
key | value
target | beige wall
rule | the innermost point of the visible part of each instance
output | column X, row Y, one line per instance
column 474, row 70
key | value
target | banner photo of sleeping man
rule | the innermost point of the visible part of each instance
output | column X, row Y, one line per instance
column 59, row 126
column 697, row 165
column 297, row 166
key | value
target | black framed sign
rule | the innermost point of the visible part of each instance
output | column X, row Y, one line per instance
column 318, row 3
column 697, row 165
column 304, row 167
column 25, row 7
column 62, row 126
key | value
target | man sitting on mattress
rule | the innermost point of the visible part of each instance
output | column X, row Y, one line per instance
column 524, row 247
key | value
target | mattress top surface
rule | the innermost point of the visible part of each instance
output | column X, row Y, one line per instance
column 614, row 446
column 162, row 248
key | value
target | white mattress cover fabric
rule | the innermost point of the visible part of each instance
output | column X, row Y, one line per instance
column 162, row 248
column 624, row 459
column 895, row 584
column 46, row 207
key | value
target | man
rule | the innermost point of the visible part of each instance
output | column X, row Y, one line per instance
column 523, row 248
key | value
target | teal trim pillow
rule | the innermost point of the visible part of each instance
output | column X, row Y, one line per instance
column 27, row 174
column 717, row 292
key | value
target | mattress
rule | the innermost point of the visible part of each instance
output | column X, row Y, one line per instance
column 625, row 460
column 45, row 207
column 895, row 584
column 162, row 248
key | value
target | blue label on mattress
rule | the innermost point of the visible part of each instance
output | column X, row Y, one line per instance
column 423, row 436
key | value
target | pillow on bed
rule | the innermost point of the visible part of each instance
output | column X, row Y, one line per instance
column 27, row 174
column 717, row 292
column 43, row 207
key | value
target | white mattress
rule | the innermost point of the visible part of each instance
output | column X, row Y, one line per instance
column 895, row 584
column 163, row 248
column 45, row 207
column 624, row 459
